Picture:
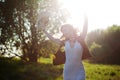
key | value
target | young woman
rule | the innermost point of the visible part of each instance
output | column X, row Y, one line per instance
column 75, row 48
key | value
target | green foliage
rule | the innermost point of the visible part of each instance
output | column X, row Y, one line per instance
column 18, row 27
column 95, row 49
column 108, row 39
column 48, row 48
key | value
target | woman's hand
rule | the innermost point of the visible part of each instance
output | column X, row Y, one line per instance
column 43, row 21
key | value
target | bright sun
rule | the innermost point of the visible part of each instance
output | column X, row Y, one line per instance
column 77, row 9
column 101, row 13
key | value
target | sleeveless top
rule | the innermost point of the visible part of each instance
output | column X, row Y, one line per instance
column 86, row 52
column 73, row 68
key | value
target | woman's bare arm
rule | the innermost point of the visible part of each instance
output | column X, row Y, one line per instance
column 52, row 38
column 85, row 27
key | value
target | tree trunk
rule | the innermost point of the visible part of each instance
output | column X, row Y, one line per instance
column 33, row 54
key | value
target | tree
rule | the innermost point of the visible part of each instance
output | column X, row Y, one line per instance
column 106, row 44
column 18, row 30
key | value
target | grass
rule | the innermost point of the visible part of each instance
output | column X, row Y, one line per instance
column 102, row 72
column 15, row 70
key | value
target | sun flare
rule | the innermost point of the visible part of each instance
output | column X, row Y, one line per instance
column 101, row 13
column 77, row 9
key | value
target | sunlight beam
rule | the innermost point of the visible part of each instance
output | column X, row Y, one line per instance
column 76, row 9
column 101, row 13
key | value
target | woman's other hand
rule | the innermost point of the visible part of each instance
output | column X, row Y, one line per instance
column 43, row 21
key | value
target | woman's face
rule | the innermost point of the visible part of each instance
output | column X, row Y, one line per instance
column 65, row 31
column 68, row 32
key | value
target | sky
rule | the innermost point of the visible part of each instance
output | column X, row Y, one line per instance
column 101, row 13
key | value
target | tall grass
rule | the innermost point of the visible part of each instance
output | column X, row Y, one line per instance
column 16, row 70
column 102, row 72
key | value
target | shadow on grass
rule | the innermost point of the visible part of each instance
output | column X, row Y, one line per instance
column 17, row 70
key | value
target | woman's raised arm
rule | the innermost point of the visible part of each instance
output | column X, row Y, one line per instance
column 52, row 38
column 41, row 25
column 85, row 27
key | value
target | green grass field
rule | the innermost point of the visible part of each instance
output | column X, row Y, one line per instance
column 14, row 70
column 95, row 71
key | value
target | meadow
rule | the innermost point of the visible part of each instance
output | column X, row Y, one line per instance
column 45, row 70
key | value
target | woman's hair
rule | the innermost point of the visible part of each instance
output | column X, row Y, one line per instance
column 70, row 27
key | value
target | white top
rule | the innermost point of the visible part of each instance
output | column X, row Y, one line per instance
column 73, row 69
